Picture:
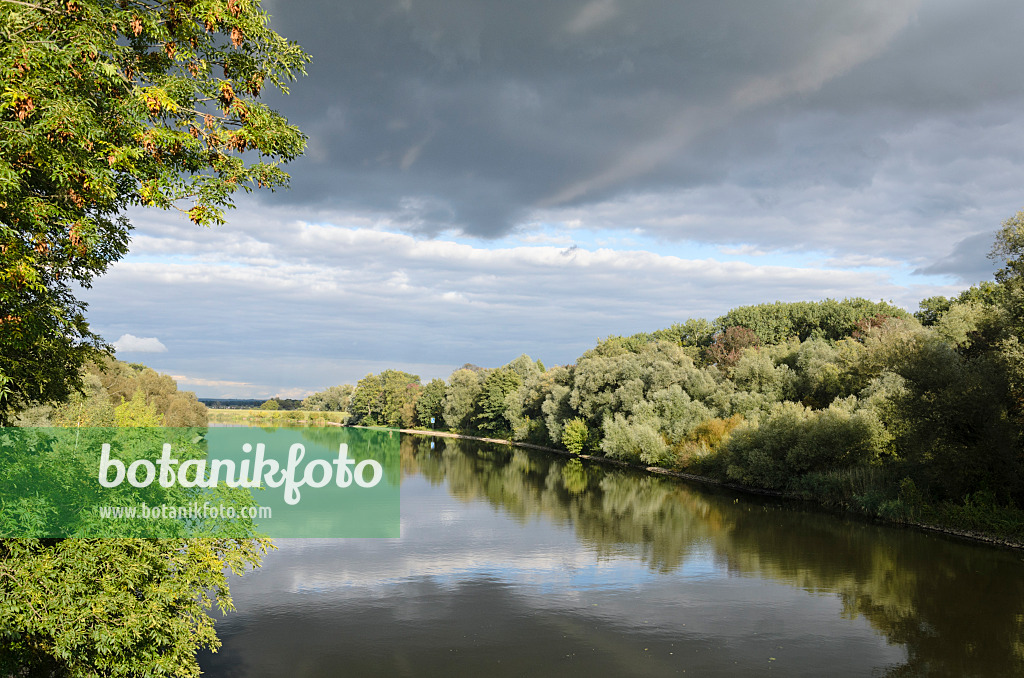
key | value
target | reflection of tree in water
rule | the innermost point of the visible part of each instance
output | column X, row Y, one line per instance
column 957, row 608
column 614, row 512
column 362, row 444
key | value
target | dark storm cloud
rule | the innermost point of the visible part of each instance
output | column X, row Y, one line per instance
column 968, row 261
column 852, row 127
column 469, row 114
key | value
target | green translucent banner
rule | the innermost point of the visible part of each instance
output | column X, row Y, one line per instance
column 199, row 482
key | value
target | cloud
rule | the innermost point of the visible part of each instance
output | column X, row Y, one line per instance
column 129, row 343
column 968, row 261
column 200, row 381
column 334, row 303
column 821, row 63
column 592, row 15
column 534, row 103
column 872, row 129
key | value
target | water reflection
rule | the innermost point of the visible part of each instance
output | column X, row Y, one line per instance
column 516, row 563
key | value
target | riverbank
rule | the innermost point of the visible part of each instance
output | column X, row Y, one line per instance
column 276, row 417
column 957, row 514
column 972, row 535
column 600, row 460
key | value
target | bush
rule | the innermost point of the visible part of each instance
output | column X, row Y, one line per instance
column 634, row 439
column 794, row 440
column 575, row 435
column 705, row 439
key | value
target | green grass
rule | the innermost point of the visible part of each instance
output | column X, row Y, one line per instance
column 276, row 417
column 978, row 513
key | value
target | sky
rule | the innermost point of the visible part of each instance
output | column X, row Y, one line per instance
column 487, row 178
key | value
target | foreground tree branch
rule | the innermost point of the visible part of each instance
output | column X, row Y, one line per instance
column 108, row 105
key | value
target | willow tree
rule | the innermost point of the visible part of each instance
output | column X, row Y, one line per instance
column 107, row 106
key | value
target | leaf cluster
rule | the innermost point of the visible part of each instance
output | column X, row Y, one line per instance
column 109, row 105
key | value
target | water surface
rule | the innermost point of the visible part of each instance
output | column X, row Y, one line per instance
column 515, row 563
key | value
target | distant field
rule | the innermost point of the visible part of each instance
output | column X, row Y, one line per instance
column 224, row 416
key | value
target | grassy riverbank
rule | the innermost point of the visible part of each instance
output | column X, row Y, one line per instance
column 276, row 417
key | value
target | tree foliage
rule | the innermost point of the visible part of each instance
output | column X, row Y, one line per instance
column 828, row 319
column 460, row 401
column 430, row 405
column 575, row 435
column 106, row 106
column 137, row 412
column 332, row 399
column 114, row 607
column 109, row 383
column 728, row 346
column 387, row 399
column 493, row 400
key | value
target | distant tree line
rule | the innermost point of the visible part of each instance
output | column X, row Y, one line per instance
column 252, row 403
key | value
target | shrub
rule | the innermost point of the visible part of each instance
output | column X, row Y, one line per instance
column 793, row 440
column 575, row 435
column 705, row 439
column 634, row 439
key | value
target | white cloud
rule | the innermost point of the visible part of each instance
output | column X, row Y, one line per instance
column 129, row 343
column 200, row 381
column 593, row 14
column 335, row 303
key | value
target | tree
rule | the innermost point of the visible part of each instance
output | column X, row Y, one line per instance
column 828, row 319
column 399, row 392
column 696, row 332
column 111, row 607
column 123, row 380
column 575, row 435
column 387, row 399
column 728, row 346
column 106, row 106
column 89, row 407
column 430, row 406
column 932, row 309
column 366, row 407
column 493, row 400
column 137, row 412
column 332, row 399
column 1009, row 249
column 461, row 398
column 114, row 607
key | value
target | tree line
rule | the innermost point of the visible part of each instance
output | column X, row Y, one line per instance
column 116, row 393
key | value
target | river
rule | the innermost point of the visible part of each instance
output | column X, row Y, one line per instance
column 516, row 563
